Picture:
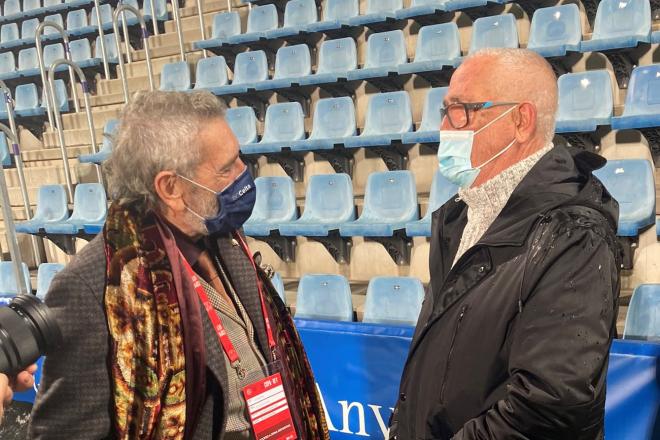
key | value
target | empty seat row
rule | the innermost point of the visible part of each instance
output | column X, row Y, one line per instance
column 13, row 8
column 8, row 286
column 28, row 102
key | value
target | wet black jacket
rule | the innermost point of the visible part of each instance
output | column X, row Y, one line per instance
column 513, row 342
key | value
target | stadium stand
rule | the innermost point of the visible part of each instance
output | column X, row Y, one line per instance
column 642, row 320
column 393, row 300
column 45, row 275
column 325, row 297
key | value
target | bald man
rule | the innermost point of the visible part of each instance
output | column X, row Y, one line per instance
column 514, row 334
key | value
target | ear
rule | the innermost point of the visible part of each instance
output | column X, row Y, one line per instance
column 170, row 190
column 525, row 119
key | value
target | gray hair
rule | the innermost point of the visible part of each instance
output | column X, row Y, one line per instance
column 158, row 131
column 525, row 76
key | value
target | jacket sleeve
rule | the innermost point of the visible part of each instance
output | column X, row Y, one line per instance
column 74, row 399
column 560, row 346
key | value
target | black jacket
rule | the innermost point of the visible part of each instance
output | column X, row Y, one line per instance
column 513, row 342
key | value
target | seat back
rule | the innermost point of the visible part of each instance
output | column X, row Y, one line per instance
column 250, row 67
column 226, row 24
column 334, row 118
column 7, row 62
column 109, row 132
column 211, row 72
column 438, row 42
column 81, row 50
column 585, row 95
column 643, row 97
column 61, row 96
column 278, row 284
column 428, row 3
column 106, row 15
column 431, row 119
column 110, row 47
column 29, row 28
column 388, row 113
column 9, row 32
column 5, row 157
column 300, row 13
column 11, row 7
column 8, row 285
column 393, row 300
column 26, row 97
column 340, row 9
column 161, row 9
column 51, row 204
column 45, row 275
column 55, row 18
column 175, row 77
column 494, row 31
column 380, row 6
column 27, row 59
column 337, row 56
column 49, row 3
column 293, row 61
column 262, row 18
column 329, row 199
column 615, row 18
column 643, row 317
column 555, row 26
column 284, row 122
column 386, row 49
column 324, row 297
column 30, row 5
column 53, row 52
column 243, row 123
column 390, row 196
column 441, row 191
column 76, row 19
column 89, row 203
column 631, row 182
column 276, row 200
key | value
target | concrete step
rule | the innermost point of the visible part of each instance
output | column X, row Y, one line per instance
column 171, row 39
column 192, row 22
column 139, row 68
column 114, row 86
column 79, row 120
column 190, row 7
column 38, row 157
column 47, row 175
column 76, row 137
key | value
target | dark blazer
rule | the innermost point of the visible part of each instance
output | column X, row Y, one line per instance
column 74, row 399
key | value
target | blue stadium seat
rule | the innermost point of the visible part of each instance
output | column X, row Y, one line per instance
column 390, row 202
column 334, row 121
column 388, row 117
column 81, row 54
column 45, row 275
column 620, row 24
column 643, row 318
column 51, row 208
column 494, row 31
column 261, row 19
column 27, row 62
column 161, row 10
column 26, row 101
column 631, row 182
column 556, row 31
column 297, row 15
column 291, row 64
column 7, row 66
column 5, row 157
column 336, row 59
column 642, row 107
column 441, row 191
column 8, row 285
column 175, row 77
column 131, row 19
column 106, row 17
column 585, row 101
column 53, row 52
column 9, row 33
column 211, row 73
column 438, row 45
column 61, row 97
column 89, row 206
column 385, row 52
column 335, row 14
column 51, row 31
column 77, row 23
column 278, row 284
column 422, row 7
column 110, row 48
column 428, row 131
column 109, row 130
column 93, row 228
column 31, row 5
column 377, row 11
column 328, row 204
column 250, row 68
column 226, row 24
column 324, row 297
column 393, row 301
column 11, row 7
column 276, row 203
column 29, row 29
column 243, row 123
column 284, row 124
column 52, row 4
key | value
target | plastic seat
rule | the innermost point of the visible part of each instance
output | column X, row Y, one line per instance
column 422, row 7
column 81, row 54
column 175, row 77
column 27, row 62
column 226, row 24
column 390, row 202
column 61, row 97
column 211, row 73
column 620, row 24
column 438, row 45
column 441, row 191
column 393, row 300
column 260, row 20
column 328, row 204
column 51, row 31
column 324, row 297
column 377, row 11
column 5, row 157
column 335, row 14
column 106, row 17
column 76, row 23
column 7, row 65
column 335, row 60
column 631, row 182
column 643, row 317
column 585, row 101
column 494, row 31
column 9, row 33
column 26, row 101
column 45, row 275
column 334, row 121
column 297, row 15
column 161, row 10
column 291, row 64
column 389, row 116
column 642, row 107
column 11, row 7
column 556, row 31
column 249, row 68
column 109, row 130
column 243, row 123
column 52, row 4
column 110, row 48
column 278, row 284
column 53, row 52
column 51, row 208
column 8, row 284
column 89, row 206
column 429, row 130
column 385, row 52
column 284, row 124
column 276, row 203
column 29, row 29
column 31, row 5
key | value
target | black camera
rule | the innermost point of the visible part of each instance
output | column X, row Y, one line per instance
column 28, row 330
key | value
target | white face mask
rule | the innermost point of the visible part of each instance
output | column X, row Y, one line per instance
column 455, row 154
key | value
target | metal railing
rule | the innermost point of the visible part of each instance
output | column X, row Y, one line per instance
column 104, row 54
column 202, row 28
column 179, row 30
column 145, row 39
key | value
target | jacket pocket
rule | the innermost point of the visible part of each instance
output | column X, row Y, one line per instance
column 461, row 316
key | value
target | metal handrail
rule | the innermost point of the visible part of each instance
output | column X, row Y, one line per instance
column 50, row 99
column 10, row 228
column 145, row 38
column 58, row 121
column 154, row 19
column 228, row 5
column 104, row 54
column 200, row 14
column 179, row 30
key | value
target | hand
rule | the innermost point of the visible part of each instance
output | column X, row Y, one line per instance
column 22, row 382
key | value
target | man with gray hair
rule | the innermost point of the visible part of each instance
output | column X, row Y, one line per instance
column 171, row 329
column 513, row 338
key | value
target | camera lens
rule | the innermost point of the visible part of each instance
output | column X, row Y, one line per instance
column 28, row 330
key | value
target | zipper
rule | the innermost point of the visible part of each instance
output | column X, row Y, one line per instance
column 451, row 351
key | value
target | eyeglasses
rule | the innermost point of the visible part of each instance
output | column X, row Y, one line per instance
column 458, row 113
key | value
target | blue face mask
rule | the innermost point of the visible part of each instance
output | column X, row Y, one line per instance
column 455, row 154
column 235, row 204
